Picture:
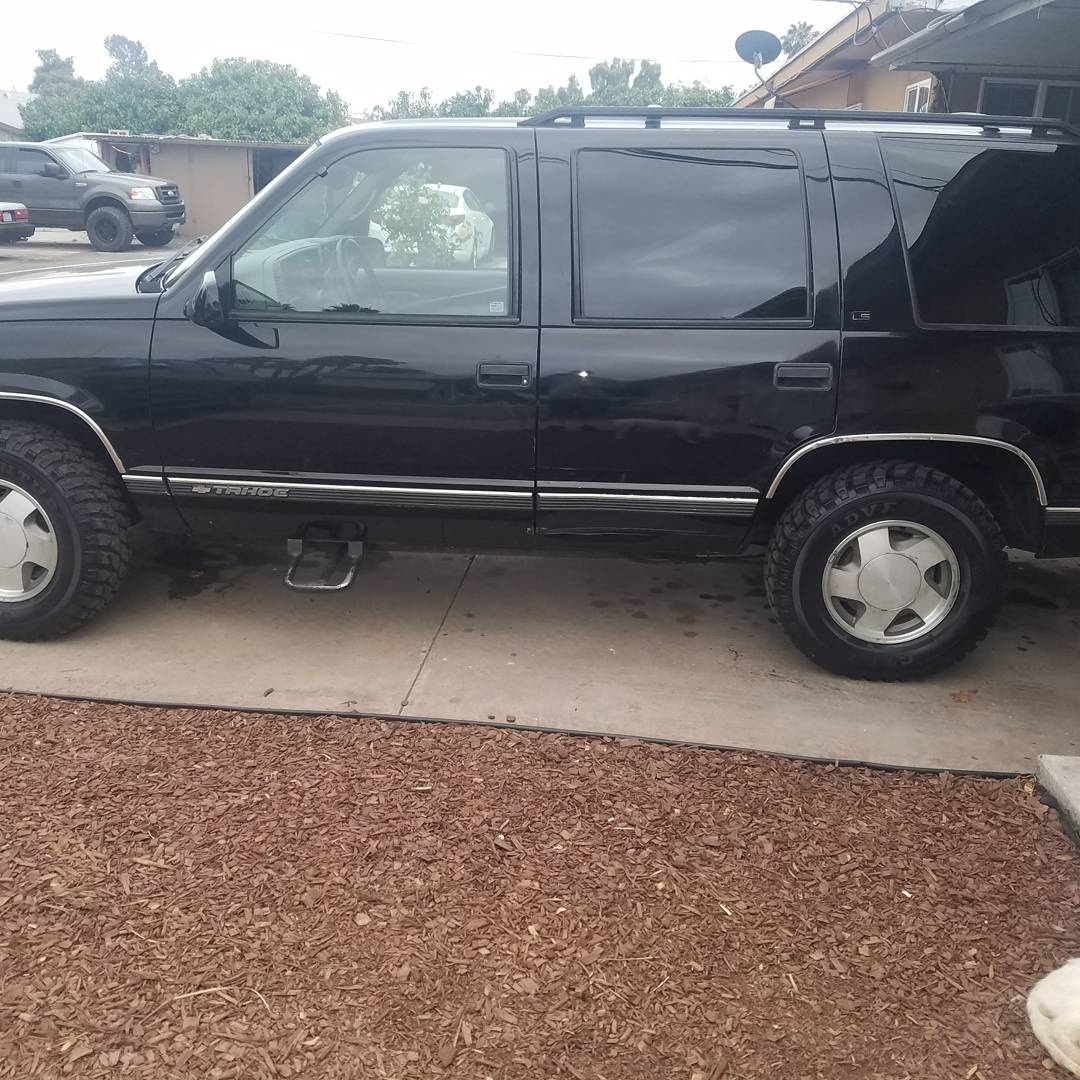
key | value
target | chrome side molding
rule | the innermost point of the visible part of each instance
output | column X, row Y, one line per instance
column 907, row 436
column 91, row 423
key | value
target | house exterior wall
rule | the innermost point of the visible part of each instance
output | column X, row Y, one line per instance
column 215, row 181
column 874, row 90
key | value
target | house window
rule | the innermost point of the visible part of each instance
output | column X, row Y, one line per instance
column 1030, row 97
column 917, row 96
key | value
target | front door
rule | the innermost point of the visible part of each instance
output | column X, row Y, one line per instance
column 380, row 359
column 690, row 326
column 50, row 199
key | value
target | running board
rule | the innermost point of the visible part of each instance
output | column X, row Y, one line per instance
column 334, row 563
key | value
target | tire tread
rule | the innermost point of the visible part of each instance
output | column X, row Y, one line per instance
column 829, row 493
column 101, row 511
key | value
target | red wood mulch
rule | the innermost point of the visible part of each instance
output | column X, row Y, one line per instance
column 212, row 894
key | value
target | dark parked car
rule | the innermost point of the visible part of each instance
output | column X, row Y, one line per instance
column 68, row 187
column 853, row 338
column 14, row 223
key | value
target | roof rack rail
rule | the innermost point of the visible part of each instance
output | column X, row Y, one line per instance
column 576, row 115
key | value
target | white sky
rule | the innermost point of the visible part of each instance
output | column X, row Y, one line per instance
column 466, row 42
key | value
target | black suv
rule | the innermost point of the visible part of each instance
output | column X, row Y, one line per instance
column 68, row 187
column 854, row 338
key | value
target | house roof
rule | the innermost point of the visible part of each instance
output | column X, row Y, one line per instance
column 844, row 47
column 10, row 117
column 995, row 37
column 179, row 140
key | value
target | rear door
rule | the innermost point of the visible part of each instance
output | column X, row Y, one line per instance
column 690, row 326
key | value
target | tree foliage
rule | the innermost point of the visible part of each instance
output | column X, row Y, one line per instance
column 257, row 99
column 53, row 72
column 797, row 36
column 234, row 99
column 414, row 222
column 611, row 82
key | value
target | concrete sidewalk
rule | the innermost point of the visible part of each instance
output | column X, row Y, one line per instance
column 673, row 651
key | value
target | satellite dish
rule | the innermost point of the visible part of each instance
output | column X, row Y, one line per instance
column 757, row 47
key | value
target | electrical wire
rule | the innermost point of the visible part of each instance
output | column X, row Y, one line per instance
column 524, row 52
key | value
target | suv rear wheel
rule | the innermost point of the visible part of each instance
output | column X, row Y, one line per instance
column 886, row 570
column 154, row 237
column 63, row 532
column 109, row 228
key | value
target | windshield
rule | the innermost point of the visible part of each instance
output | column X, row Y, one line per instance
column 81, row 161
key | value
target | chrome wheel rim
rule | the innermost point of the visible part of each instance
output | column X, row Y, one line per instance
column 891, row 582
column 28, row 547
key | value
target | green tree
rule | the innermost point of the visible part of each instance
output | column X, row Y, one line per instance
column 53, row 73
column 128, row 57
column 550, row 98
column 518, row 105
column 611, row 82
column 406, row 105
column 475, row 102
column 257, row 99
column 137, row 96
column 797, row 36
column 414, row 222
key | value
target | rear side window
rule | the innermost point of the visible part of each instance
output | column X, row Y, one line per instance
column 691, row 235
column 992, row 233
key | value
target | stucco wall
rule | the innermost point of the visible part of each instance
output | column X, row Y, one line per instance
column 881, row 91
column 215, row 181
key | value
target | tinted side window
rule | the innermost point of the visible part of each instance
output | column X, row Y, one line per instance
column 31, row 162
column 686, row 235
column 993, row 234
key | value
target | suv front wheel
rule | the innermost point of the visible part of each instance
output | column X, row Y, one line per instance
column 886, row 570
column 63, row 532
column 109, row 228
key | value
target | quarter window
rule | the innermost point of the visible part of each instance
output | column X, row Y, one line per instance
column 992, row 234
column 384, row 232
column 691, row 235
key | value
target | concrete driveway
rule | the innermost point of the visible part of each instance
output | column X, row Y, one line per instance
column 672, row 651
column 59, row 248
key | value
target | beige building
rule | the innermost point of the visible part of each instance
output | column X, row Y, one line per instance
column 1000, row 57
column 834, row 71
column 216, row 176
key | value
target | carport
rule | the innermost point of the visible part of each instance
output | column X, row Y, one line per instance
column 1004, row 57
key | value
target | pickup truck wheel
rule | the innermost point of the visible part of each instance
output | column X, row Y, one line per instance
column 109, row 229
column 155, row 237
column 64, row 523
column 886, row 570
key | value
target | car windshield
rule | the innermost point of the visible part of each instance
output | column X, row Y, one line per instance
column 79, row 160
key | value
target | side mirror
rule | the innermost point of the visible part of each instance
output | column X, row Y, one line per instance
column 205, row 308
column 55, row 170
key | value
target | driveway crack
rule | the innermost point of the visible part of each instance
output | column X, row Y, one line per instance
column 435, row 636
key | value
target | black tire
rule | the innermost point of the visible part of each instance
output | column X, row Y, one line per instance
column 832, row 508
column 109, row 229
column 155, row 237
column 90, row 519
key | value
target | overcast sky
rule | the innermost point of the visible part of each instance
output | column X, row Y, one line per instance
column 463, row 42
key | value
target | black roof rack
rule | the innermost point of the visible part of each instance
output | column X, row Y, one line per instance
column 576, row 115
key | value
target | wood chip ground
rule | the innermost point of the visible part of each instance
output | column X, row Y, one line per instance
column 211, row 894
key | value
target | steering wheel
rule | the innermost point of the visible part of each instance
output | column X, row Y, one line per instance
column 355, row 267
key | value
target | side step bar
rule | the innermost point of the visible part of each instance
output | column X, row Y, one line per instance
column 332, row 562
